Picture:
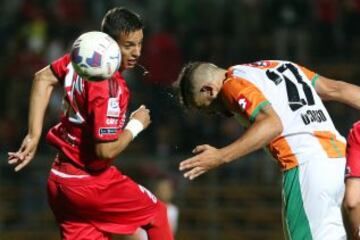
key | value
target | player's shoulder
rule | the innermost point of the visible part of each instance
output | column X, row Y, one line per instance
column 61, row 66
column 115, row 80
column 248, row 70
column 120, row 80
column 237, row 78
column 113, row 87
column 64, row 59
column 118, row 76
column 356, row 126
column 267, row 64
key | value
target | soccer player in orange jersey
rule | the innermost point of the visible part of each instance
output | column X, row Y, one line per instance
column 280, row 104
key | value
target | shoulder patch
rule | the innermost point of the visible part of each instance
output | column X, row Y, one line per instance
column 243, row 102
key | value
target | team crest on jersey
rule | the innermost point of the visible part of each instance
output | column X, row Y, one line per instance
column 113, row 109
column 243, row 102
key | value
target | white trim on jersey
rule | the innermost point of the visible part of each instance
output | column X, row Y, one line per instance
column 65, row 175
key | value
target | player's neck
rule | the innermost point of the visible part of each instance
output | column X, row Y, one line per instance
column 219, row 77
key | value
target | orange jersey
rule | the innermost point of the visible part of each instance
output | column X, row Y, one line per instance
column 307, row 127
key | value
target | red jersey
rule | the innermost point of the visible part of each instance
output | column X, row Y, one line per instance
column 353, row 152
column 92, row 112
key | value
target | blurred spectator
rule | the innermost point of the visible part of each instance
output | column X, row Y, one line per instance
column 55, row 49
column 290, row 29
column 351, row 20
column 69, row 12
column 162, row 57
column 327, row 28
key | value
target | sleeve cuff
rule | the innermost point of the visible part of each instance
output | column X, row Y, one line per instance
column 257, row 110
column 314, row 79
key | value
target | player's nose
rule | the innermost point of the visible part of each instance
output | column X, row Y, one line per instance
column 136, row 52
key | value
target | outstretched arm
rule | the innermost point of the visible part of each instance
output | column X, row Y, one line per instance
column 333, row 90
column 43, row 84
column 266, row 127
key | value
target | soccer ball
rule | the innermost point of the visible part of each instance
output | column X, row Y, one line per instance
column 95, row 56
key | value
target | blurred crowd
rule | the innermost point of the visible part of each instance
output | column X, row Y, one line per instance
column 314, row 33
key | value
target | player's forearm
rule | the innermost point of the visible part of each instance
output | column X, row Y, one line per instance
column 39, row 100
column 110, row 150
column 256, row 137
column 349, row 94
column 333, row 90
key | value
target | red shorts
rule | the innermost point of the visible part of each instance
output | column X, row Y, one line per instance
column 353, row 152
column 94, row 206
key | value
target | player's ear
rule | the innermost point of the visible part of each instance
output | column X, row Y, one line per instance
column 205, row 88
column 210, row 90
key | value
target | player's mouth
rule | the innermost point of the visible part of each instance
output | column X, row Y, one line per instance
column 132, row 62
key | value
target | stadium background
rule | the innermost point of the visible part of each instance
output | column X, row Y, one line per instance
column 238, row 201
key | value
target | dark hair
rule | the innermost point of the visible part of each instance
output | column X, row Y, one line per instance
column 120, row 21
column 184, row 85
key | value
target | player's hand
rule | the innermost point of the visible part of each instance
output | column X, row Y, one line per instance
column 143, row 115
column 25, row 153
column 206, row 158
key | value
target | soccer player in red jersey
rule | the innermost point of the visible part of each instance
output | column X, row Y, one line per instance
column 351, row 203
column 90, row 198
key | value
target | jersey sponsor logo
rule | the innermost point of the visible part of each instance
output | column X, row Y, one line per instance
column 243, row 102
column 113, row 109
column 311, row 116
column 107, row 131
column 112, row 121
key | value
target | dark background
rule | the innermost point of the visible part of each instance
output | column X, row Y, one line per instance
column 239, row 201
